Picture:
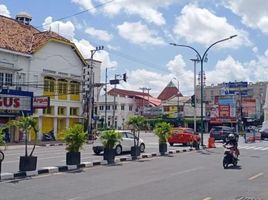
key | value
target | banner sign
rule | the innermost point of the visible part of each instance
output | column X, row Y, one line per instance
column 15, row 102
column 235, row 88
column 224, row 111
column 41, row 102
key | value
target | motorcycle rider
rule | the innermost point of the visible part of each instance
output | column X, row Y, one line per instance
column 232, row 141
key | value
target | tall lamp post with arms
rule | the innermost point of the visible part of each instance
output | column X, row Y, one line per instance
column 202, row 59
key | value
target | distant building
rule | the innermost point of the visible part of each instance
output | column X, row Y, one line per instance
column 121, row 104
column 245, row 102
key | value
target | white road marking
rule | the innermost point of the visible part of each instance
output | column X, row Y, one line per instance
column 256, row 176
column 75, row 198
column 258, row 148
column 208, row 198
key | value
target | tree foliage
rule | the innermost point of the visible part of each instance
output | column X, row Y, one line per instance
column 163, row 131
column 27, row 124
column 109, row 138
column 75, row 137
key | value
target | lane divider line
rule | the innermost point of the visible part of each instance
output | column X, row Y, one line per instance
column 256, row 176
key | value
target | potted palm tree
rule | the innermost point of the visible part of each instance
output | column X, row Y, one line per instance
column 27, row 124
column 109, row 138
column 163, row 131
column 137, row 123
column 75, row 138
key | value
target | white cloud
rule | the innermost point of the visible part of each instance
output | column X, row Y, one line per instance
column 99, row 34
column 4, row 11
column 227, row 70
column 85, row 5
column 147, row 10
column 113, row 48
column 138, row 33
column 254, row 13
column 84, row 47
column 158, row 80
column 144, row 78
column 202, row 26
column 65, row 29
column 255, row 49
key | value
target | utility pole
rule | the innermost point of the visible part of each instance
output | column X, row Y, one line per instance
column 195, row 60
column 113, row 122
column 178, row 108
column 90, row 92
column 106, row 77
column 178, row 101
column 115, row 82
column 143, row 92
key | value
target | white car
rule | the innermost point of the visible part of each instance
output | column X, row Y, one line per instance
column 122, row 146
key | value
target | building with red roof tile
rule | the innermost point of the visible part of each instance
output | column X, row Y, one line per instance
column 46, row 64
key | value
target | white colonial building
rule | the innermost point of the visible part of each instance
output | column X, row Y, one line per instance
column 46, row 64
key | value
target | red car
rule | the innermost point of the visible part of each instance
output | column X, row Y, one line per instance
column 185, row 136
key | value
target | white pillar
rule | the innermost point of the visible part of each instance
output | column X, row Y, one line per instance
column 265, row 110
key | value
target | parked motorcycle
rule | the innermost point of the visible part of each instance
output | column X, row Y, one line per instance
column 229, row 157
column 48, row 136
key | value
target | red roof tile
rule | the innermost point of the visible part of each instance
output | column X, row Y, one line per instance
column 16, row 36
column 140, row 95
column 169, row 91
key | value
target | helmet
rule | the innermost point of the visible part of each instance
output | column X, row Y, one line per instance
column 231, row 136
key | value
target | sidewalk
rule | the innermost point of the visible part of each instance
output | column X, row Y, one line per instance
column 17, row 145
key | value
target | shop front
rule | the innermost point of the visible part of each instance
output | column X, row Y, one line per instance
column 14, row 103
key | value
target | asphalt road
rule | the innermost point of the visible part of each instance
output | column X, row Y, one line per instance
column 195, row 175
column 55, row 155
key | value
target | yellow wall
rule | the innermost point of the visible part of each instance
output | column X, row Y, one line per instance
column 47, row 124
column 61, row 127
column 73, row 121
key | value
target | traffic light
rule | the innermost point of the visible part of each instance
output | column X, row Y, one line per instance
column 125, row 77
column 193, row 100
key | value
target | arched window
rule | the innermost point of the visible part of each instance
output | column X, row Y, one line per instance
column 75, row 90
column 62, row 89
column 49, row 86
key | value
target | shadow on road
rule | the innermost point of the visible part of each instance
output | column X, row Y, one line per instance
column 239, row 167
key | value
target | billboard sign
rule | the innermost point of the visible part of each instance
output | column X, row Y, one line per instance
column 235, row 88
column 224, row 111
column 41, row 102
column 15, row 102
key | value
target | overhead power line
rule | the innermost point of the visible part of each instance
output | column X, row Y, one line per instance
column 78, row 13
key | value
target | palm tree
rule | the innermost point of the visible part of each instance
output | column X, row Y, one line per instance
column 27, row 124
column 138, row 123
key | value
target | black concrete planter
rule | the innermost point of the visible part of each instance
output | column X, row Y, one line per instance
column 28, row 163
column 73, row 158
column 162, row 148
column 135, row 152
column 109, row 155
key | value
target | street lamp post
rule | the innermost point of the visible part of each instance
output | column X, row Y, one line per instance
column 202, row 59
column 178, row 100
column 195, row 60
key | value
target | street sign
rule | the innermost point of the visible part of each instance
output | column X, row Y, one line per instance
column 114, row 82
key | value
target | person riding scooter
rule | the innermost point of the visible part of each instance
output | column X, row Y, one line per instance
column 232, row 141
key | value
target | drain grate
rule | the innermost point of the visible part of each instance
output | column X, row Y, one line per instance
column 247, row 198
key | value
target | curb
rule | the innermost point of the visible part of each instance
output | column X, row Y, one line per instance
column 66, row 168
column 49, row 145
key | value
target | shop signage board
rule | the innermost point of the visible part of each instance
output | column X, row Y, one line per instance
column 15, row 102
column 235, row 88
column 41, row 102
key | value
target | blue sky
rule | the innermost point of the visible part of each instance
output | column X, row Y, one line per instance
column 136, row 36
